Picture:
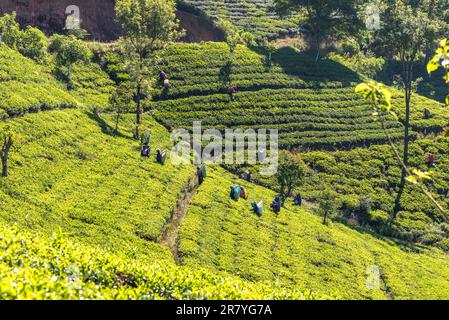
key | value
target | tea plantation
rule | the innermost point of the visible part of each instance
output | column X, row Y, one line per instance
column 295, row 249
column 84, row 216
column 313, row 105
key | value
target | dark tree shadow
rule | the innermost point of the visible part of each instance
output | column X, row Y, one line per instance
column 106, row 128
column 305, row 67
column 401, row 244
column 430, row 86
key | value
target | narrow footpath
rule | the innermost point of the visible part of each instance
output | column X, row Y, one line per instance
column 170, row 235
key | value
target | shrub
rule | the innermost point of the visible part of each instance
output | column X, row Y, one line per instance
column 349, row 47
column 33, row 44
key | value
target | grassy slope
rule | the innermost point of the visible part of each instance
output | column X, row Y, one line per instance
column 295, row 249
column 95, row 186
column 26, row 86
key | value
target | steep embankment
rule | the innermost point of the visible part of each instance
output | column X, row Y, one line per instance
column 295, row 249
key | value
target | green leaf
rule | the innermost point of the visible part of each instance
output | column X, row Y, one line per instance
column 412, row 179
column 433, row 65
column 362, row 88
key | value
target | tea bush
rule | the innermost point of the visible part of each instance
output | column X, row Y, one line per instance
column 313, row 105
column 26, row 86
column 373, row 174
column 53, row 268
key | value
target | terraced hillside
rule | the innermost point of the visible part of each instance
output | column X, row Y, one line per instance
column 295, row 249
column 254, row 16
column 72, row 173
column 371, row 176
column 313, row 105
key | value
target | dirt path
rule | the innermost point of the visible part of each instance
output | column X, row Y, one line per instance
column 170, row 235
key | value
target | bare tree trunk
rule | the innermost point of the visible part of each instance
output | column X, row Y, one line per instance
column 4, row 157
column 69, row 71
column 138, row 111
column 318, row 48
column 289, row 191
column 407, row 75
column 117, row 120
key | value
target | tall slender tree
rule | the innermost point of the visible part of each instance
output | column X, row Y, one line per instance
column 148, row 26
column 8, row 142
column 404, row 34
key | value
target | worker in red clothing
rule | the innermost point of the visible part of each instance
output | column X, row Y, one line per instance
column 431, row 161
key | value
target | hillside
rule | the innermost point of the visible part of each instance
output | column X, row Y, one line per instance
column 72, row 173
column 83, row 215
column 295, row 249
column 313, row 105
column 26, row 86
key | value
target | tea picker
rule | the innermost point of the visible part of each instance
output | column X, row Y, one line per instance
column 258, row 208
column 146, row 140
column 161, row 156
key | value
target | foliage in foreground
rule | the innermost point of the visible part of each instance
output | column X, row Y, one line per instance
column 35, row 267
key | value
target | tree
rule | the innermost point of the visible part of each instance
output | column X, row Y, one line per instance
column 438, row 12
column 10, row 30
column 232, row 37
column 327, row 200
column 148, row 26
column 7, row 140
column 33, row 44
column 121, row 101
column 30, row 42
column 290, row 173
column 324, row 18
column 269, row 48
column 441, row 59
column 69, row 50
column 405, row 33
column 380, row 99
